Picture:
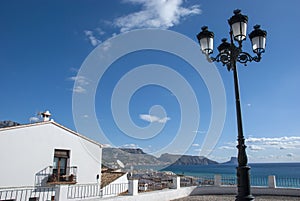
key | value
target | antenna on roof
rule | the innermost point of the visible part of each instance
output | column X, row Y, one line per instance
column 120, row 164
column 35, row 118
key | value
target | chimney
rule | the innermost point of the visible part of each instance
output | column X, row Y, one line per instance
column 46, row 115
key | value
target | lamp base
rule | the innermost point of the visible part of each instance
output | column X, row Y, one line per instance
column 243, row 184
column 244, row 198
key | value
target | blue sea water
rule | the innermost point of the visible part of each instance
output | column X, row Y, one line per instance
column 287, row 174
column 283, row 170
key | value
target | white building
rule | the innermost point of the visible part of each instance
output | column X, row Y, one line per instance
column 46, row 153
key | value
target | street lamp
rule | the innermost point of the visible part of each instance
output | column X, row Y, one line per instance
column 229, row 55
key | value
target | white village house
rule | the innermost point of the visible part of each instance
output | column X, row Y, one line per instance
column 47, row 153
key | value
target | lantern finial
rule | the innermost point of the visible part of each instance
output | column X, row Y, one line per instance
column 237, row 11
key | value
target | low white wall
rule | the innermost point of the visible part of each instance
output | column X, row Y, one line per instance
column 232, row 190
column 276, row 191
column 162, row 195
column 133, row 187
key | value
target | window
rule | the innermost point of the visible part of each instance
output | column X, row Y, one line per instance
column 60, row 162
column 61, row 170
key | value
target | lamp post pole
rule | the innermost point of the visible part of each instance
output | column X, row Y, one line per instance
column 243, row 178
column 229, row 55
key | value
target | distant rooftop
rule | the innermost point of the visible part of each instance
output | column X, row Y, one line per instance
column 108, row 176
column 4, row 124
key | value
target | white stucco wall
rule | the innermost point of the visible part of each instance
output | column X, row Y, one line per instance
column 161, row 195
column 27, row 150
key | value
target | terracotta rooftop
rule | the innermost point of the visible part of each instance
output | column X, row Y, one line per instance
column 109, row 176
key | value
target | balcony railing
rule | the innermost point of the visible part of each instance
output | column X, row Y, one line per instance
column 64, row 176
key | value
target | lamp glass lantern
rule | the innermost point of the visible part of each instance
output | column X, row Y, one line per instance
column 206, row 40
column 238, row 25
column 224, row 46
column 224, row 49
column 258, row 40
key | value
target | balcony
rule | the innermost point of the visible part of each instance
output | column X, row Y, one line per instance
column 62, row 176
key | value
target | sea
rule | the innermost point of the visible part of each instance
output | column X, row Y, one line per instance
column 282, row 170
column 286, row 174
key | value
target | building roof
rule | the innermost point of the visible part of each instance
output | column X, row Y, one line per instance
column 55, row 124
column 108, row 177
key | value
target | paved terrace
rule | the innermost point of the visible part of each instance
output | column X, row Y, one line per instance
column 232, row 197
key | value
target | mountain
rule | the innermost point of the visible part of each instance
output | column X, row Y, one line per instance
column 134, row 157
column 185, row 159
column 233, row 161
column 129, row 157
column 133, row 151
column 4, row 124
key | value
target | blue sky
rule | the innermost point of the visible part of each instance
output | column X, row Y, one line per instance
column 43, row 45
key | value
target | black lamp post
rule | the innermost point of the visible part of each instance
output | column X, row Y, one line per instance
column 229, row 55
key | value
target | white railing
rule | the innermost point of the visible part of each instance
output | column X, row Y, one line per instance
column 27, row 193
column 259, row 181
column 83, row 191
column 288, row 182
column 228, row 180
column 114, row 189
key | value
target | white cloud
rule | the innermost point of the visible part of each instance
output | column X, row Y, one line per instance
column 195, row 145
column 131, row 146
column 227, row 147
column 93, row 40
column 79, row 89
column 81, row 82
column 106, row 45
column 72, row 69
column 201, row 132
column 149, row 118
column 255, row 148
column 272, row 143
column 152, row 118
column 292, row 142
column 161, row 14
column 106, row 145
column 33, row 119
column 100, row 31
column 164, row 120
column 266, row 149
column 155, row 14
column 268, row 140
